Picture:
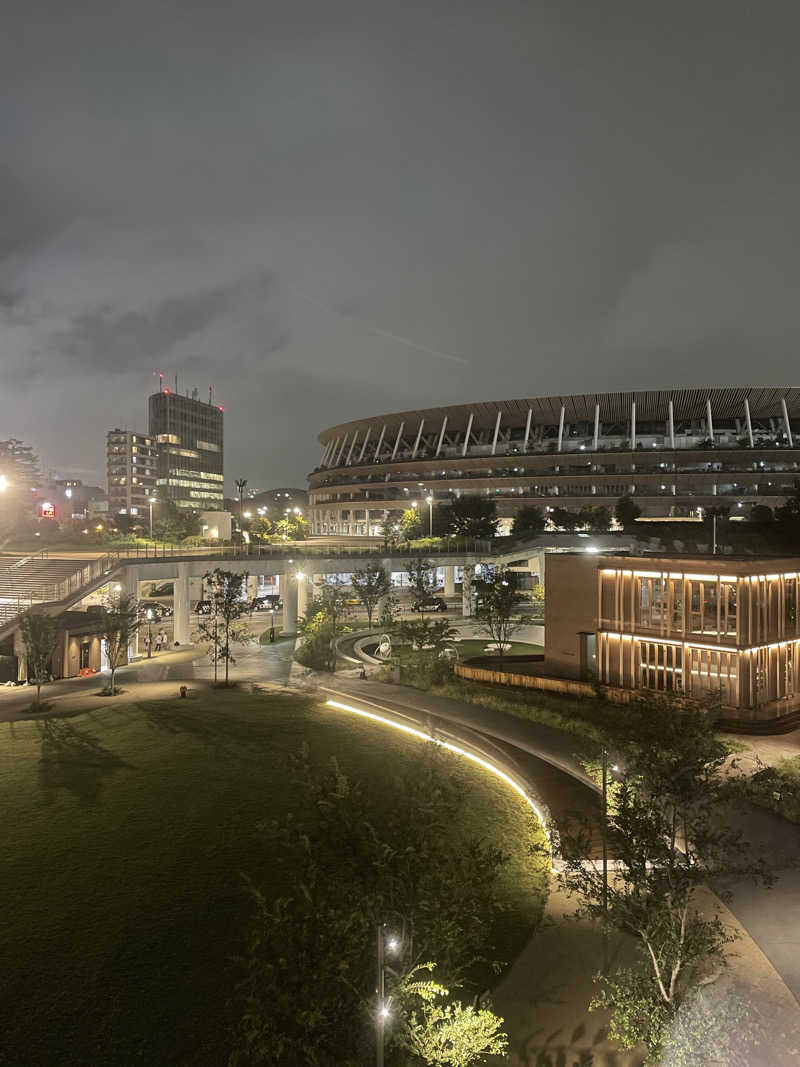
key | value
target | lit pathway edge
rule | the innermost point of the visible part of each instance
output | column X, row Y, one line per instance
column 423, row 729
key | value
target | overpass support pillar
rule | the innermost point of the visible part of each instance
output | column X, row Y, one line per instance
column 466, row 591
column 304, row 594
column 449, row 581
column 181, row 605
column 536, row 565
column 131, row 589
column 383, row 603
column 22, row 656
column 290, row 606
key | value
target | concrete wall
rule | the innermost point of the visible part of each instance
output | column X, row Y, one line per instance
column 570, row 609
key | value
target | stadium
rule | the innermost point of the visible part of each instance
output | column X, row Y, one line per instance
column 675, row 452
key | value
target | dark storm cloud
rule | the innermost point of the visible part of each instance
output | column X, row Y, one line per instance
column 326, row 210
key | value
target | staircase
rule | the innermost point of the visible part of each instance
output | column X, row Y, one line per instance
column 43, row 579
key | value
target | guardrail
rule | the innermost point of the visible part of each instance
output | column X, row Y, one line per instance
column 298, row 549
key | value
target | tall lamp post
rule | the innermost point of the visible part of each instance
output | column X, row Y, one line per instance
column 240, row 484
column 429, row 502
column 151, row 500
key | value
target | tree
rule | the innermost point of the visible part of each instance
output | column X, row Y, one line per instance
column 564, row 519
column 537, row 599
column 528, row 520
column 473, row 516
column 261, row 528
column 626, row 512
column 223, row 627
column 292, row 528
column 39, row 635
column 370, row 586
column 497, row 606
column 421, row 582
column 171, row 523
column 121, row 621
column 669, row 832
column 447, row 1034
column 432, row 635
column 411, row 524
column 322, row 623
column 597, row 520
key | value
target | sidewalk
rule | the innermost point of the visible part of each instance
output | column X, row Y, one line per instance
column 544, row 996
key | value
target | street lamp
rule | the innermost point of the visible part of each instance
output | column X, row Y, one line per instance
column 429, row 502
column 383, row 1004
column 151, row 500
column 240, row 484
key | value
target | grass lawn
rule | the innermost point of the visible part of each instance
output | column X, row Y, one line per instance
column 477, row 647
column 126, row 831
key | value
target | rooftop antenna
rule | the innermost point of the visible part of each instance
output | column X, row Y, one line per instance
column 176, row 384
column 160, row 376
column 210, row 388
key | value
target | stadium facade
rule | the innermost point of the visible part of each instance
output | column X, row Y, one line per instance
column 676, row 452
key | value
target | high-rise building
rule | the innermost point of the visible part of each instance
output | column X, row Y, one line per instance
column 188, row 433
column 131, row 463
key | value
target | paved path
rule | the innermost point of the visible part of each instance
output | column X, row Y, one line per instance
column 770, row 917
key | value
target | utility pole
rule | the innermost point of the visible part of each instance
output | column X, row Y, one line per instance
column 429, row 500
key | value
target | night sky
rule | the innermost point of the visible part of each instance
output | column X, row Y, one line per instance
column 267, row 197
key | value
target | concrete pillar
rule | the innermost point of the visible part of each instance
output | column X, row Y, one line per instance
column 304, row 594
column 787, row 423
column 747, row 421
column 252, row 586
column 449, row 581
column 380, row 607
column 181, row 604
column 131, row 588
column 22, row 656
column 496, row 431
column 466, row 435
column 466, row 590
column 289, row 597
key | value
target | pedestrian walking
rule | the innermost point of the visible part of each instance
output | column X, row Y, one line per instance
column 160, row 639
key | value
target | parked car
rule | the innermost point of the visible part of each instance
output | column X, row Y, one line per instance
column 270, row 602
column 159, row 610
column 436, row 604
column 203, row 607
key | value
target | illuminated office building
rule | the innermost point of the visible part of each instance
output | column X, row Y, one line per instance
column 189, row 436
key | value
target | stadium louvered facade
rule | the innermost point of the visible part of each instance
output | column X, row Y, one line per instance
column 674, row 451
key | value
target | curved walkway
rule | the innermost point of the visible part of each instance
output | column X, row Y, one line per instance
column 770, row 917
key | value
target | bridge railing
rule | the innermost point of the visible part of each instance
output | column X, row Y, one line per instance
column 293, row 550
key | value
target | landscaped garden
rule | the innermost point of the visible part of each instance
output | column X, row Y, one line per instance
column 128, row 832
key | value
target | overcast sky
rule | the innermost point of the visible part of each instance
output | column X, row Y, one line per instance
column 544, row 198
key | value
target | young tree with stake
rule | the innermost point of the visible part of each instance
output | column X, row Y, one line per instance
column 370, row 586
column 670, row 834
column 120, row 624
column 39, row 635
column 421, row 581
column 222, row 627
column 498, row 603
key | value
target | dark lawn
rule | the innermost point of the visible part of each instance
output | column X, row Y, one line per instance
column 126, row 829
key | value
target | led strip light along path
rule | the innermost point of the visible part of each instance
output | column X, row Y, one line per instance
column 386, row 717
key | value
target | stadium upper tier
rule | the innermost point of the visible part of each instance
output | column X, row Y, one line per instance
column 674, row 451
